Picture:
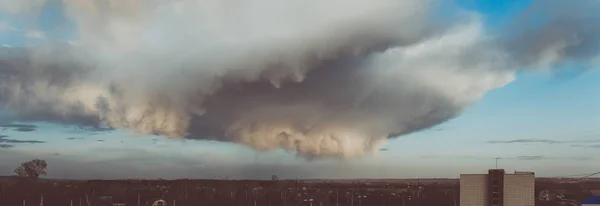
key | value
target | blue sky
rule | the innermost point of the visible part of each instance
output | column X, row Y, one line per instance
column 543, row 122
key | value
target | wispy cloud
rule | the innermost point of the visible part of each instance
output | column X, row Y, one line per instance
column 19, row 127
column 35, row 34
column 540, row 157
column 4, row 26
column 25, row 129
column 523, row 141
column 521, row 157
column 534, row 157
column 5, row 146
column 595, row 146
column 541, row 141
column 428, row 157
column 3, row 139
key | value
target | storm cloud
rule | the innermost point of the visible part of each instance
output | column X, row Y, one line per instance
column 318, row 78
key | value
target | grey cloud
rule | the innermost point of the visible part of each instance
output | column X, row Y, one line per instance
column 74, row 138
column 23, row 129
column 19, row 127
column 439, row 129
column 3, row 139
column 595, row 146
column 5, row 146
column 94, row 128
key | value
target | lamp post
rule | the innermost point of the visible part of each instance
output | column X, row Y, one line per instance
column 360, row 197
column 310, row 201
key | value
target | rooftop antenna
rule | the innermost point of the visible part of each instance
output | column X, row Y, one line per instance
column 497, row 158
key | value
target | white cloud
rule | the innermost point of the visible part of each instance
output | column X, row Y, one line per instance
column 4, row 26
column 34, row 34
column 21, row 6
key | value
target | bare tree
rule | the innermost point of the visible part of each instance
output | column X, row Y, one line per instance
column 274, row 178
column 32, row 169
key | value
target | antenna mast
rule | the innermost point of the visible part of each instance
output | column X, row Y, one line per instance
column 497, row 158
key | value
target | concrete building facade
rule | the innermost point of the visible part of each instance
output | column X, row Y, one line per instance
column 473, row 190
column 497, row 189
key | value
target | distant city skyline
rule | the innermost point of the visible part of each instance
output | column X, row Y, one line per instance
column 545, row 122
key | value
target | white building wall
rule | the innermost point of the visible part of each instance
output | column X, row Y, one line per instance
column 519, row 189
column 473, row 190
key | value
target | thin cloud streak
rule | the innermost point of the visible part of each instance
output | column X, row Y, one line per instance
column 3, row 139
column 542, row 141
column 6, row 146
column 595, row 146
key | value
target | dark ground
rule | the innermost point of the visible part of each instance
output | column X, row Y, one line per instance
column 432, row 192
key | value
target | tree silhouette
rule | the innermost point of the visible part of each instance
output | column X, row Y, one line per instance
column 32, row 169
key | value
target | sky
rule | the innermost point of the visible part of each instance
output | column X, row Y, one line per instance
column 545, row 122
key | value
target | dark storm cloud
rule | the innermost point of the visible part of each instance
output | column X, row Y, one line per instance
column 3, row 139
column 345, row 76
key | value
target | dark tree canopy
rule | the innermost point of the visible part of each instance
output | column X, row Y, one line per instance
column 32, row 169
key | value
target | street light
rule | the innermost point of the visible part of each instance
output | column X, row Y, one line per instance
column 310, row 201
column 360, row 199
